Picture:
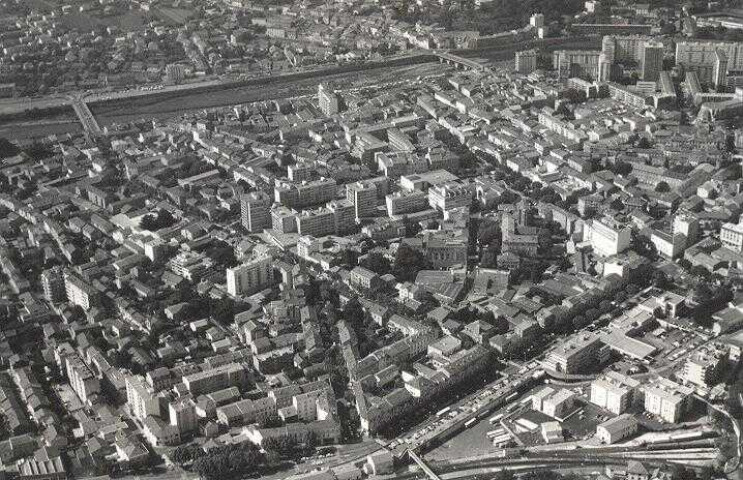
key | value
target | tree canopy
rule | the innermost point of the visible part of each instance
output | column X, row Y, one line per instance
column 156, row 221
column 408, row 263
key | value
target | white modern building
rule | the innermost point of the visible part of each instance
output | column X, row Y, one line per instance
column 250, row 277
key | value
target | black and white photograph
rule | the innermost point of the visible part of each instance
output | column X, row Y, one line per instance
column 371, row 239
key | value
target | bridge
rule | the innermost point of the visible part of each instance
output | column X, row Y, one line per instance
column 431, row 474
column 457, row 61
column 90, row 124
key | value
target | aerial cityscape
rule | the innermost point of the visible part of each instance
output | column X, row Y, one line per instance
column 371, row 239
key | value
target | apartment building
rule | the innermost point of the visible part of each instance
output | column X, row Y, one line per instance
column 731, row 235
column 328, row 101
column 364, row 278
column 255, row 211
column 614, row 392
column 53, row 284
column 363, row 197
column 667, row 399
column 402, row 202
column 81, row 379
column 651, row 61
column 526, row 61
column 704, row 367
column 247, row 411
column 182, row 414
column 450, row 195
column 617, row 429
column 576, row 63
column 79, row 292
column 606, row 237
column 700, row 56
column 576, row 354
column 141, row 399
column 192, row 266
column 218, row 378
column 305, row 193
column 555, row 403
column 252, row 276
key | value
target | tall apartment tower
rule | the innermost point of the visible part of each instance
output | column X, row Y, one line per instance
column 250, row 277
column 652, row 61
column 688, row 226
column 183, row 416
column 537, row 20
column 526, row 61
column 363, row 196
column 720, row 71
column 328, row 101
column 255, row 211
column 604, row 68
column 52, row 282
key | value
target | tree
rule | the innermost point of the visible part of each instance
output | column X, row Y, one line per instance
column 488, row 231
column 222, row 254
column 579, row 321
column 680, row 472
column 622, row 168
column 501, row 325
column 592, row 314
column 38, row 151
column 504, row 475
column 643, row 143
column 702, row 292
column 730, row 143
column 8, row 149
column 156, row 221
column 230, row 461
column 186, row 453
column 573, row 95
column 662, row 187
column 122, row 359
column 700, row 271
column 617, row 204
column 604, row 306
column 643, row 246
column 377, row 263
column 408, row 262
column 5, row 431
column 660, row 280
column 224, row 310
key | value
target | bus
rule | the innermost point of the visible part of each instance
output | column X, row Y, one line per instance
column 495, row 418
column 470, row 422
column 443, row 411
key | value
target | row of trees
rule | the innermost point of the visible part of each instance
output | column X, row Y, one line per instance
column 243, row 459
column 231, row 461
column 678, row 472
column 287, row 447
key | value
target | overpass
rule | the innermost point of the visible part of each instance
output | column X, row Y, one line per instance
column 457, row 61
column 431, row 474
column 90, row 124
